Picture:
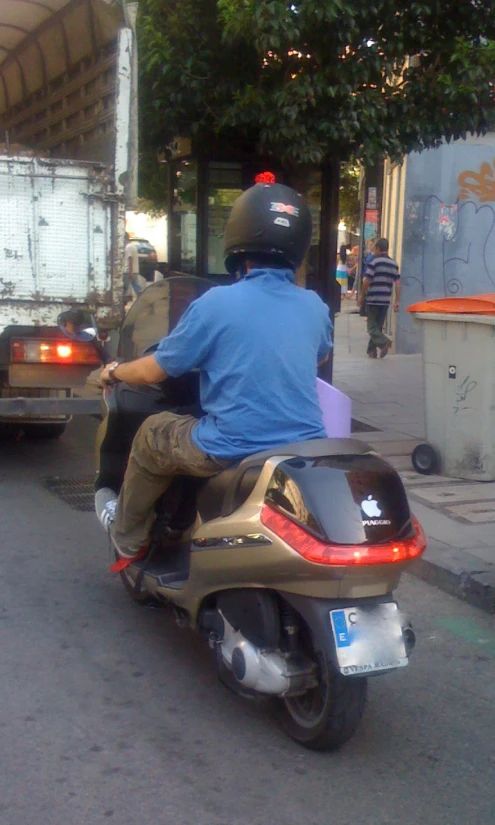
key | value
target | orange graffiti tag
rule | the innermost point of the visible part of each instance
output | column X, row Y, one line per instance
column 481, row 184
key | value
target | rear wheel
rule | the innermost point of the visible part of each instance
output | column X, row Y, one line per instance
column 9, row 432
column 327, row 716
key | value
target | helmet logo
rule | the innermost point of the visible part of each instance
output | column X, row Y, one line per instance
column 285, row 208
column 281, row 222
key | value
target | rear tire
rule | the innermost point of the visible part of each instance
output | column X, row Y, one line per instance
column 325, row 717
column 10, row 432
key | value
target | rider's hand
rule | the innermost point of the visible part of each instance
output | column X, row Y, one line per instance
column 107, row 378
column 396, row 306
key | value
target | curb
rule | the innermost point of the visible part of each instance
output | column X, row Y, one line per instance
column 460, row 574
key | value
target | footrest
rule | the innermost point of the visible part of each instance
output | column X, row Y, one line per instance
column 167, row 566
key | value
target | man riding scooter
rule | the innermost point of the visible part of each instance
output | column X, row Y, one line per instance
column 257, row 345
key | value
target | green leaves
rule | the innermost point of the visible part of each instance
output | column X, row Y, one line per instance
column 306, row 79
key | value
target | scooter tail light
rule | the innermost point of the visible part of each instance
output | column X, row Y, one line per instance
column 320, row 552
column 51, row 351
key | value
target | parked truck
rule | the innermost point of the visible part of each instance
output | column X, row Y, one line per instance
column 67, row 173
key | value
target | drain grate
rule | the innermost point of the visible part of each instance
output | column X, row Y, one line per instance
column 78, row 493
column 361, row 427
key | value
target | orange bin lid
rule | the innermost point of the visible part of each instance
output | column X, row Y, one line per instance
column 467, row 305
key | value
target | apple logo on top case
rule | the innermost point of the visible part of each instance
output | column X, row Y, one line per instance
column 370, row 507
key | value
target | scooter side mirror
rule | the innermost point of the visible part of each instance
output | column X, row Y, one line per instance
column 78, row 325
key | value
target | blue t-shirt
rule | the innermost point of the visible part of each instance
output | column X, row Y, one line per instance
column 257, row 344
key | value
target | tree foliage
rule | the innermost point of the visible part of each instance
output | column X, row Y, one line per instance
column 310, row 79
column 349, row 204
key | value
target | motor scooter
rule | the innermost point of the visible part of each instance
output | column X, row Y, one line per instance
column 286, row 561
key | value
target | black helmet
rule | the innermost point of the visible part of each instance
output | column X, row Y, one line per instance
column 270, row 221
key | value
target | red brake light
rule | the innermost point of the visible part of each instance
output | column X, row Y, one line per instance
column 51, row 351
column 64, row 351
column 320, row 552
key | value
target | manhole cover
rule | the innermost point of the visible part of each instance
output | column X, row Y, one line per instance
column 78, row 493
column 361, row 427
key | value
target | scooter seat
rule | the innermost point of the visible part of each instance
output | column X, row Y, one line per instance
column 220, row 495
column 225, row 492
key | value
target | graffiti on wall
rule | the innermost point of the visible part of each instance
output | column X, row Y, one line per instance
column 480, row 184
column 457, row 240
column 449, row 230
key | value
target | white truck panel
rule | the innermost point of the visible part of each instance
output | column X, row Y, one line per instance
column 55, row 232
column 31, row 313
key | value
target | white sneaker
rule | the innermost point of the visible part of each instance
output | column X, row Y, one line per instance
column 106, row 507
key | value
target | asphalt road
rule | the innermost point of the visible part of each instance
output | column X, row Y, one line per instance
column 108, row 712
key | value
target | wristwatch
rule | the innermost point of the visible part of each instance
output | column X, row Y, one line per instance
column 111, row 370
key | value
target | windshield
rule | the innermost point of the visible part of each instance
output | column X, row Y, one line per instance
column 157, row 311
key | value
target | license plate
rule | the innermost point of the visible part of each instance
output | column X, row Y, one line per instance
column 368, row 639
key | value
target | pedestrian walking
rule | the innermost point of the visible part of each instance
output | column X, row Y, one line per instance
column 352, row 266
column 341, row 272
column 380, row 278
column 368, row 255
column 134, row 283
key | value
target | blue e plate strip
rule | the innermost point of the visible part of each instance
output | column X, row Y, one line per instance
column 340, row 630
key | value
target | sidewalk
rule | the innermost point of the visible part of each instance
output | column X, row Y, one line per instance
column 458, row 516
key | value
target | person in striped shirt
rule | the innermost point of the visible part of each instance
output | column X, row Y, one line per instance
column 380, row 277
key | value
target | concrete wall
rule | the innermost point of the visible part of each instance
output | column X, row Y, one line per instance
column 440, row 216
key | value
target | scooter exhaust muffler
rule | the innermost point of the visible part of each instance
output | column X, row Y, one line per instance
column 265, row 671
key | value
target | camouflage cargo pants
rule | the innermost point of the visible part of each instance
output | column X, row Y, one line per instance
column 162, row 448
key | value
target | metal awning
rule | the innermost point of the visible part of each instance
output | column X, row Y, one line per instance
column 41, row 39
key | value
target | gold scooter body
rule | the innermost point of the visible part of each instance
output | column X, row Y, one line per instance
column 229, row 553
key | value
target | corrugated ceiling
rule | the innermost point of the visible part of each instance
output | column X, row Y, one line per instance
column 20, row 18
column 41, row 39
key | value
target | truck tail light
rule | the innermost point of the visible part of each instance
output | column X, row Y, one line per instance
column 51, row 351
column 315, row 550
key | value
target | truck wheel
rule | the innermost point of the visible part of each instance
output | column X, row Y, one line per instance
column 325, row 717
column 10, row 431
column 44, row 430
